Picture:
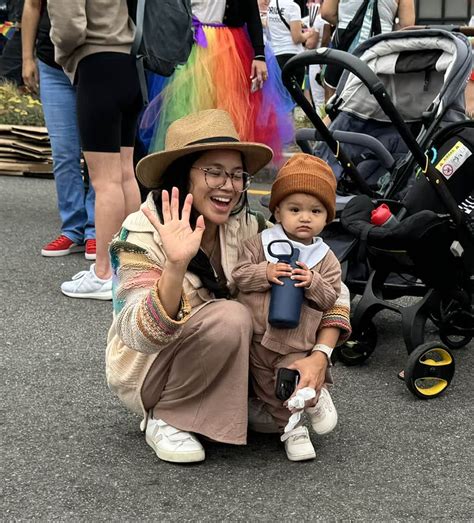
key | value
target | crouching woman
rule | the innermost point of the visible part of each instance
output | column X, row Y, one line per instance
column 178, row 348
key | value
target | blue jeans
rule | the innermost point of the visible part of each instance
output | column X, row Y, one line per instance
column 76, row 208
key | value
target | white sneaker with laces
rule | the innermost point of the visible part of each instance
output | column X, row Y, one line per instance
column 172, row 444
column 298, row 445
column 86, row 284
column 323, row 415
column 260, row 420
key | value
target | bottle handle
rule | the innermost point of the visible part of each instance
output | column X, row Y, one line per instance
column 271, row 253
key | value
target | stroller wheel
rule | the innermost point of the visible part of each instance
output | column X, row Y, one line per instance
column 360, row 346
column 454, row 342
column 457, row 328
column 429, row 370
column 435, row 318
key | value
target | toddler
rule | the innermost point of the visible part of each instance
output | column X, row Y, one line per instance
column 303, row 201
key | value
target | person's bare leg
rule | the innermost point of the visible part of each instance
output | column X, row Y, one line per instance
column 105, row 171
column 130, row 187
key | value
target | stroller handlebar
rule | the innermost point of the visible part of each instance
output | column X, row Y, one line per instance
column 324, row 56
column 466, row 30
column 361, row 139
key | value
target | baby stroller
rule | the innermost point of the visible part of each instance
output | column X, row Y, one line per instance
column 427, row 181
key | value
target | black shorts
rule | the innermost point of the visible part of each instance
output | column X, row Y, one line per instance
column 299, row 72
column 109, row 101
column 332, row 72
column 332, row 75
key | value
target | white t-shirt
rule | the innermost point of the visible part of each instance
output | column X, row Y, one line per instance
column 280, row 35
column 387, row 11
column 208, row 11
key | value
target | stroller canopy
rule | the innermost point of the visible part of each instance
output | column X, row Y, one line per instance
column 419, row 69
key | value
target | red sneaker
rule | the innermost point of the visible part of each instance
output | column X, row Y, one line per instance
column 90, row 249
column 61, row 246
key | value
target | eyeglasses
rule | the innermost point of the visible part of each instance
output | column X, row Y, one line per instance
column 216, row 177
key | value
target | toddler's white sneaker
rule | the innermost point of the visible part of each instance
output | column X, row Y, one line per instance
column 323, row 415
column 298, row 445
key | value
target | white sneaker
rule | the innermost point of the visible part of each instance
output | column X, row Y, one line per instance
column 298, row 445
column 86, row 284
column 172, row 444
column 323, row 415
column 260, row 420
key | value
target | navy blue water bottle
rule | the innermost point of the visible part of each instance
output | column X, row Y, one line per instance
column 285, row 300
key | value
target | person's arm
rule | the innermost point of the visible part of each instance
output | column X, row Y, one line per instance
column 292, row 16
column 68, row 24
column 329, row 11
column 338, row 317
column 297, row 35
column 327, row 33
column 334, row 329
column 406, row 13
column 149, row 302
column 312, row 40
column 253, row 20
column 328, row 336
column 249, row 274
column 254, row 28
column 325, row 286
column 29, row 27
column 313, row 368
column 263, row 19
column 180, row 244
column 141, row 321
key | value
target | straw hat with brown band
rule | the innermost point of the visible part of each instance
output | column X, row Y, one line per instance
column 205, row 130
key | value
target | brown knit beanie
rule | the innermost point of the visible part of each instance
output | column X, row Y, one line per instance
column 306, row 174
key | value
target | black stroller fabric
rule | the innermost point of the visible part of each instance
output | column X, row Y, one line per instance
column 452, row 151
column 419, row 245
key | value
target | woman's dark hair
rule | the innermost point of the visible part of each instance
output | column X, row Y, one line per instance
column 177, row 175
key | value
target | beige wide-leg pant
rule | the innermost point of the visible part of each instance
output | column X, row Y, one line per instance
column 200, row 383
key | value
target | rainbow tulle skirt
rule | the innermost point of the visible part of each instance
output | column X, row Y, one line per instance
column 217, row 75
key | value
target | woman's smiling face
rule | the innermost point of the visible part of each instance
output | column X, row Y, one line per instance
column 215, row 204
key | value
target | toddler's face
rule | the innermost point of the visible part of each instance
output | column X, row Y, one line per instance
column 302, row 216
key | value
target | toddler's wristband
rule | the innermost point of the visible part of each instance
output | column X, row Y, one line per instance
column 320, row 347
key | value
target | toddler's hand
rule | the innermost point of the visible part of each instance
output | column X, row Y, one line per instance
column 277, row 270
column 303, row 275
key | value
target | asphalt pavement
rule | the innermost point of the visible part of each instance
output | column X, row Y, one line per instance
column 71, row 452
